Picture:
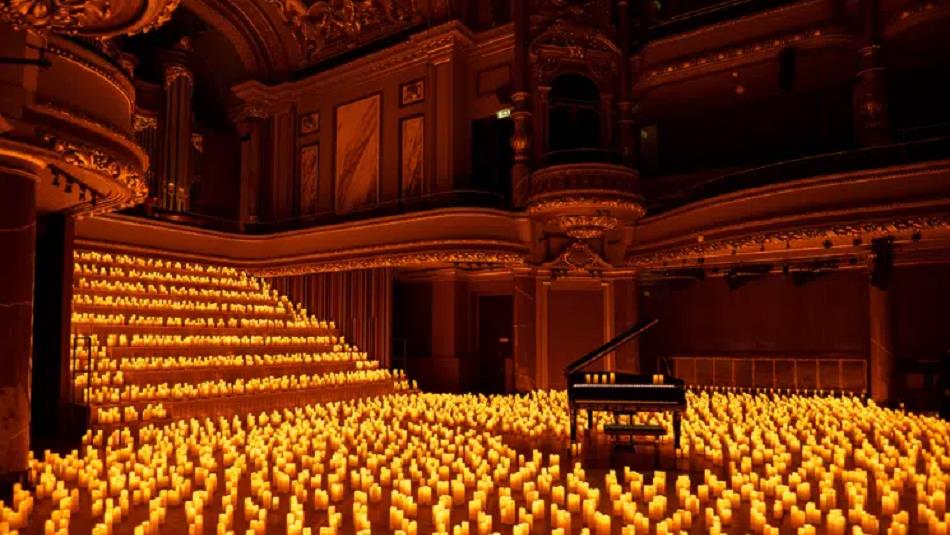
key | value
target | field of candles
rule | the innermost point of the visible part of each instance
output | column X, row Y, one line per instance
column 439, row 463
column 156, row 340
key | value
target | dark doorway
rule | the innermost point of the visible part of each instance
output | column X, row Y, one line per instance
column 495, row 329
column 492, row 155
column 574, row 115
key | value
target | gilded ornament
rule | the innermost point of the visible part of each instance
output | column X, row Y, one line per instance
column 471, row 257
column 174, row 71
column 60, row 15
column 325, row 22
column 704, row 247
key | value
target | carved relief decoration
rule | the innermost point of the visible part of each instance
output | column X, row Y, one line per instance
column 565, row 46
column 143, row 120
column 174, row 71
column 310, row 123
column 100, row 18
column 98, row 161
column 703, row 248
column 578, row 258
column 326, row 27
column 61, row 15
column 585, row 227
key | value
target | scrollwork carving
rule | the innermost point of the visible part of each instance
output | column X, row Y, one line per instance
column 67, row 16
column 174, row 71
column 324, row 22
column 576, row 258
column 98, row 161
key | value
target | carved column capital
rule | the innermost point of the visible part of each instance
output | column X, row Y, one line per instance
column 144, row 120
column 176, row 71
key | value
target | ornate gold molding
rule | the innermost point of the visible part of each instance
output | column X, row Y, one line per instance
column 578, row 258
column 168, row 9
column 69, row 16
column 174, row 71
column 585, row 227
column 704, row 248
column 325, row 26
column 430, row 258
column 98, row 161
column 93, row 18
column 144, row 121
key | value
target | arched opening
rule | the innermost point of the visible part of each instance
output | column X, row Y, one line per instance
column 574, row 116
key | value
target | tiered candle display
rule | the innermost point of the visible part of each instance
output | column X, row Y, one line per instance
column 152, row 338
column 452, row 464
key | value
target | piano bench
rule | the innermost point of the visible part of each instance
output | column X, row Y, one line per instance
column 642, row 430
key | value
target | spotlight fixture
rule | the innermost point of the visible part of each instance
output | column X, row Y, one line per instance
column 82, row 192
column 69, row 185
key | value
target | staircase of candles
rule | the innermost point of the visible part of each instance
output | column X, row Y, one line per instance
column 467, row 464
column 155, row 340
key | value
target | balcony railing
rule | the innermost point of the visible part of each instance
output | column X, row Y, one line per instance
column 683, row 16
column 448, row 199
column 935, row 148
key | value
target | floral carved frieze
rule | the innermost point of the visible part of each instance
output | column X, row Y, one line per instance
column 98, row 161
column 703, row 248
column 328, row 26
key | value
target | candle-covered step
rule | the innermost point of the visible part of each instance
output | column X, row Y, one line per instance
column 154, row 339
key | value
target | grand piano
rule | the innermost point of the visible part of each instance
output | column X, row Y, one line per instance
column 624, row 393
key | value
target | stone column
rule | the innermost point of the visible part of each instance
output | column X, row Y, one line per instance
column 881, row 350
column 175, row 168
column 871, row 126
column 18, row 242
column 521, row 101
column 249, row 123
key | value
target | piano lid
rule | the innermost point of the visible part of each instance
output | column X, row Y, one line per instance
column 612, row 345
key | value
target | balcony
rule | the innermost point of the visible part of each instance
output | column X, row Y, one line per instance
column 447, row 199
column 665, row 197
column 585, row 192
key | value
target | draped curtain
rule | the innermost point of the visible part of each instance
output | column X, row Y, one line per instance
column 359, row 302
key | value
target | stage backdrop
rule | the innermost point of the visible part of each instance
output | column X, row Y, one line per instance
column 360, row 302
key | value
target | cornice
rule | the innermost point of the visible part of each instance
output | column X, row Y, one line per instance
column 730, row 246
column 420, row 48
column 771, row 14
column 917, row 12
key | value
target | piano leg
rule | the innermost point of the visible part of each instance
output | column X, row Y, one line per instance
column 677, row 423
column 573, row 416
column 590, row 422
